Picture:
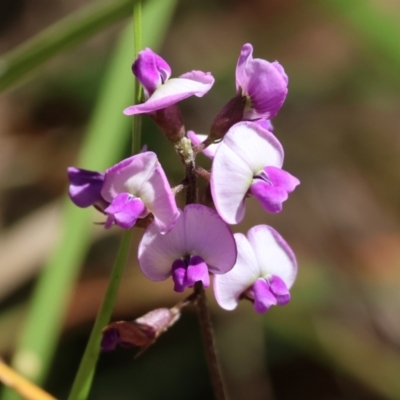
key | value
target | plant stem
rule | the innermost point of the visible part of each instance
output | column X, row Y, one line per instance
column 83, row 380
column 137, row 46
column 208, row 341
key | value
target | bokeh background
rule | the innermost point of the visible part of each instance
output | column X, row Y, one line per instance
column 339, row 337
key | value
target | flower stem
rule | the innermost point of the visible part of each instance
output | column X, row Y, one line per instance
column 208, row 340
column 137, row 46
column 84, row 377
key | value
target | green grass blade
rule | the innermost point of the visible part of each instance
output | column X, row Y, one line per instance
column 378, row 26
column 64, row 34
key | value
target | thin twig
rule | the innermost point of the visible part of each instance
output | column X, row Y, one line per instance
column 208, row 340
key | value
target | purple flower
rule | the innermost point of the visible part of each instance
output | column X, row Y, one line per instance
column 263, row 83
column 264, row 271
column 136, row 187
column 160, row 92
column 249, row 161
column 200, row 242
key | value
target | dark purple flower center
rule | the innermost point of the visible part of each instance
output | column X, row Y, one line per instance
column 186, row 272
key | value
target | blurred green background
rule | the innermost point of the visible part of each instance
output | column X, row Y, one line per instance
column 339, row 338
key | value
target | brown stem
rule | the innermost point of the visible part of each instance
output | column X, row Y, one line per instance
column 191, row 190
column 208, row 340
column 203, row 173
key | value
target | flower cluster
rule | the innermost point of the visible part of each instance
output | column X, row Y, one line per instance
column 192, row 243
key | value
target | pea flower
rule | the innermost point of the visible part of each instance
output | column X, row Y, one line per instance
column 160, row 92
column 249, row 161
column 129, row 190
column 264, row 272
column 262, row 82
column 199, row 243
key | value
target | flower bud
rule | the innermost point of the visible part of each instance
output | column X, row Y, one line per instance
column 170, row 121
column 142, row 332
column 228, row 116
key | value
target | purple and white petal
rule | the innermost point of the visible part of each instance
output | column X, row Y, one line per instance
column 151, row 70
column 196, row 139
column 85, row 186
column 256, row 146
column 229, row 287
column 273, row 254
column 195, row 83
column 157, row 252
column 208, row 236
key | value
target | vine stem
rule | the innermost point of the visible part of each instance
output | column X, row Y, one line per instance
column 209, row 343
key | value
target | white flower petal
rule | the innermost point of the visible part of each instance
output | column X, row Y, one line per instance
column 229, row 287
column 256, row 146
column 231, row 178
column 274, row 255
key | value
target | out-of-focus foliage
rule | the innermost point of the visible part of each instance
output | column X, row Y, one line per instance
column 339, row 337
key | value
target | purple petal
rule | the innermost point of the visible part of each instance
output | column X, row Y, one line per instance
column 197, row 271
column 125, row 210
column 151, row 70
column 178, row 273
column 274, row 255
column 264, row 82
column 229, row 287
column 209, row 237
column 279, row 289
column 266, row 88
column 157, row 252
column 85, row 187
column 246, row 55
column 266, row 124
column 142, row 176
column 110, row 339
column 195, row 83
column 281, row 178
column 263, row 297
column 270, row 197
column 246, row 150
